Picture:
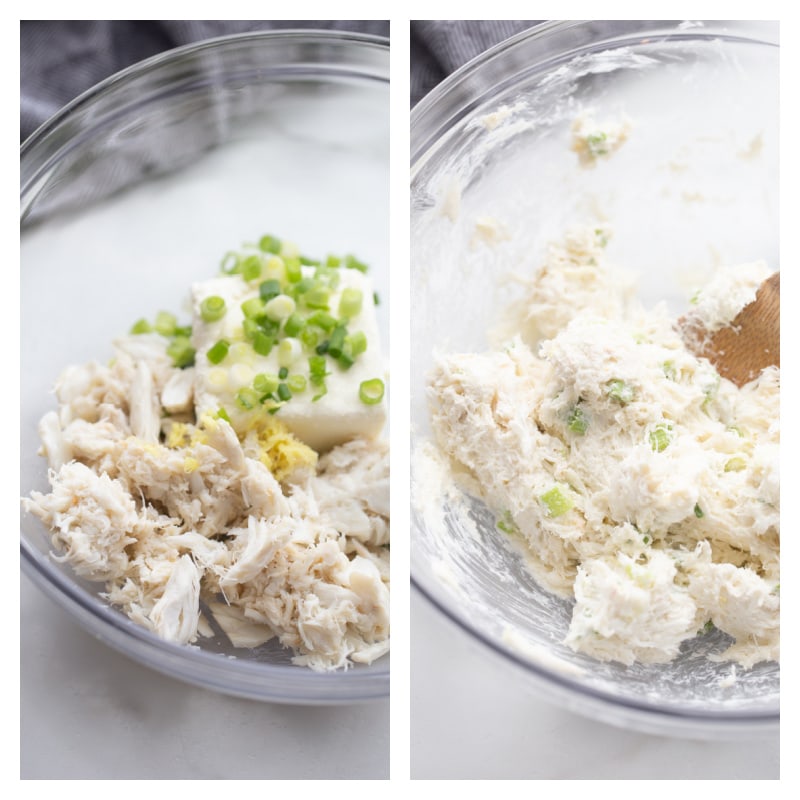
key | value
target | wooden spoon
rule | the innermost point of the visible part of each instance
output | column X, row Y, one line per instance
column 750, row 343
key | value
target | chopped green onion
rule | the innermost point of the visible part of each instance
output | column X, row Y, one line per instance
column 322, row 392
column 251, row 268
column 698, row 512
column 317, row 369
column 279, row 308
column 297, row 383
column 318, row 297
column 293, row 325
column 262, row 343
column 269, row 326
column 661, row 436
column 284, row 392
column 596, row 143
column 376, row 300
column 283, row 373
column 253, row 308
column 620, row 391
column 274, row 270
column 166, row 323
column 247, row 398
column 304, row 285
column 336, row 341
column 141, row 326
column 351, row 262
column 350, row 303
column 217, row 352
column 345, row 358
column 181, row 352
column 250, row 328
column 294, row 270
column 223, row 414
column 322, row 319
column 557, row 500
column 358, row 343
column 309, row 337
column 735, row 464
column 269, row 289
column 309, row 262
column 333, row 261
column 230, row 263
column 322, row 348
column 506, row 523
column 270, row 244
column 265, row 383
column 577, row 421
column 371, row 392
column 289, row 350
column 212, row 308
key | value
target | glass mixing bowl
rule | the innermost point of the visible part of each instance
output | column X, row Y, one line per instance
column 138, row 188
column 695, row 184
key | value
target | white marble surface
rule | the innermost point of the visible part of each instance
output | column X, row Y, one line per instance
column 87, row 712
column 473, row 723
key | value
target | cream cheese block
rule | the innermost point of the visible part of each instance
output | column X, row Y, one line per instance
column 322, row 422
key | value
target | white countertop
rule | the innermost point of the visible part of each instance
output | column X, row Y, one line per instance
column 88, row 712
column 473, row 723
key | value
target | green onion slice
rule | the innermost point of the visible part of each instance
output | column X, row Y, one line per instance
column 217, row 352
column 212, row 308
column 371, row 392
column 620, row 391
column 265, row 383
column 181, row 352
column 557, row 501
column 350, row 303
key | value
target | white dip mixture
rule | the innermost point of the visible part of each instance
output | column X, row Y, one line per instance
column 643, row 484
column 183, row 475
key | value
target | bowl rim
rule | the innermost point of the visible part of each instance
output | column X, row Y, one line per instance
column 648, row 717
column 286, row 684
column 313, row 35
column 424, row 113
column 430, row 125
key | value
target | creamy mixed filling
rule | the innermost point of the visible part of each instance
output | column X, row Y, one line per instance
column 181, row 477
column 642, row 483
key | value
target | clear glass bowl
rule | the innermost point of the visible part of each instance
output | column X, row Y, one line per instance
column 139, row 187
column 695, row 184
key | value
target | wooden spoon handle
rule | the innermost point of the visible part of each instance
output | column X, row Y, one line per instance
column 753, row 340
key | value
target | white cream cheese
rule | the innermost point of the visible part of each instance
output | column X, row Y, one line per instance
column 333, row 419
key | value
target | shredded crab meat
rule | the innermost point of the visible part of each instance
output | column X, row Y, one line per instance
column 171, row 519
